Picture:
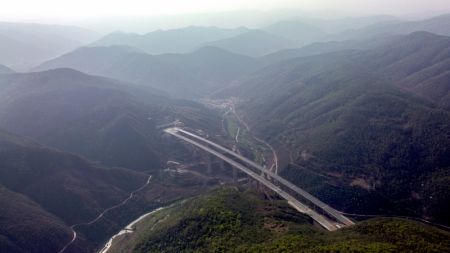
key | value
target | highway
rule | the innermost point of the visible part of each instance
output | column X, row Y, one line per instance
column 331, row 211
column 323, row 221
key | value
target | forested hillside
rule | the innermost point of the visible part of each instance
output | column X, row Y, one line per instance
column 366, row 138
column 231, row 221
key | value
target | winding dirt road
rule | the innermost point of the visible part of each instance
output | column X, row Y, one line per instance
column 274, row 166
column 74, row 237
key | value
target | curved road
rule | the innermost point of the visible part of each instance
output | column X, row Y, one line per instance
column 74, row 237
column 283, row 181
column 127, row 229
column 336, row 214
column 291, row 200
column 274, row 153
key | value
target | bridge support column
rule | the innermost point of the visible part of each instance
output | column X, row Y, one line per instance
column 235, row 180
column 208, row 164
column 264, row 175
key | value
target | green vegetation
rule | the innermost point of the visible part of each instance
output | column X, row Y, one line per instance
column 111, row 123
column 182, row 75
column 216, row 222
column 341, row 115
column 42, row 190
column 245, row 140
column 228, row 220
column 26, row 227
column 101, row 119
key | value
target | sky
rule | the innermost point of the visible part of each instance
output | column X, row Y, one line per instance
column 84, row 9
column 142, row 16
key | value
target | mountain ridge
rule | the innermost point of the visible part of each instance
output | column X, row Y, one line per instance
column 182, row 40
column 181, row 75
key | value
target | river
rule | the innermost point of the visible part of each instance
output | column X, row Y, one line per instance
column 128, row 229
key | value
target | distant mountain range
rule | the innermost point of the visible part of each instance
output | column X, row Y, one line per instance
column 319, row 48
column 298, row 31
column 20, row 55
column 438, row 25
column 24, row 45
column 254, row 43
column 278, row 36
column 417, row 62
column 183, row 40
column 5, row 70
column 182, row 75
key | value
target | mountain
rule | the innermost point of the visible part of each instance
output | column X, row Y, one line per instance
column 23, row 45
column 254, row 43
column 298, row 31
column 20, row 54
column 418, row 62
column 92, row 116
column 353, row 138
column 46, row 33
column 182, row 75
column 338, row 25
column 181, row 40
column 213, row 66
column 43, row 189
column 438, row 25
column 92, row 60
column 116, row 125
column 104, row 120
column 39, row 230
column 227, row 220
column 318, row 48
column 123, row 64
column 5, row 70
column 315, row 31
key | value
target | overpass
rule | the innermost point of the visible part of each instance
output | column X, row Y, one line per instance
column 247, row 166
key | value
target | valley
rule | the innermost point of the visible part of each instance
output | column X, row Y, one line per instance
column 299, row 134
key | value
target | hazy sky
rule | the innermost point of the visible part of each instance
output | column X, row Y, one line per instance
column 81, row 9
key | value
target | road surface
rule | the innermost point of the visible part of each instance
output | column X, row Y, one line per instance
column 274, row 153
column 331, row 211
column 329, row 225
column 128, row 229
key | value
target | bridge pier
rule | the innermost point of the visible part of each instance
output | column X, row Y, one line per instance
column 266, row 175
column 268, row 179
column 235, row 179
column 208, row 164
column 249, row 181
column 258, row 185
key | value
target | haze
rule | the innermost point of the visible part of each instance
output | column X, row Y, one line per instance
column 82, row 9
column 139, row 126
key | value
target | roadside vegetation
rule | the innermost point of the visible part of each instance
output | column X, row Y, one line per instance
column 229, row 220
column 244, row 139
